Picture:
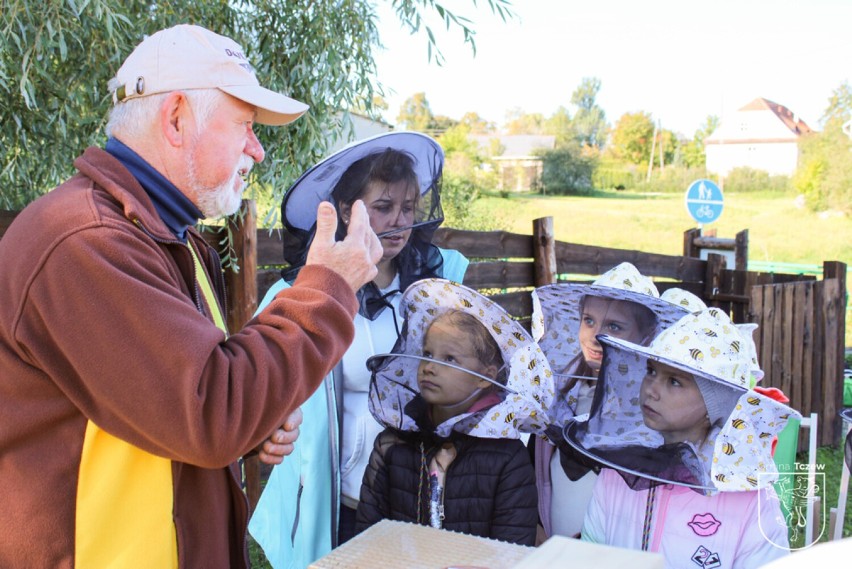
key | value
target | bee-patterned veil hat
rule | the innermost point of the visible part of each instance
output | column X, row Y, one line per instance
column 525, row 398
column 556, row 320
column 735, row 455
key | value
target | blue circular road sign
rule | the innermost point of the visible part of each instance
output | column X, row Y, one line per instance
column 704, row 201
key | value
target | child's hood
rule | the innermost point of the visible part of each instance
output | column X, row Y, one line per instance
column 519, row 407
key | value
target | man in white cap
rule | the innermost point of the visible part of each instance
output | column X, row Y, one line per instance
column 124, row 402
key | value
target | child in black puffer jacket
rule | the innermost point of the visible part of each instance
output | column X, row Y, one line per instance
column 462, row 384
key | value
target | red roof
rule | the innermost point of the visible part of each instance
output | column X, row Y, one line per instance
column 793, row 122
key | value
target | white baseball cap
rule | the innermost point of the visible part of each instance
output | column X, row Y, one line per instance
column 192, row 57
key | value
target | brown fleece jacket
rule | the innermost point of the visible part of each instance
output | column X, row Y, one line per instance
column 101, row 320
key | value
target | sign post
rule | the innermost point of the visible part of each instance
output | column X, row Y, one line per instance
column 704, row 201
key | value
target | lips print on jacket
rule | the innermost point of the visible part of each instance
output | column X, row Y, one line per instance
column 704, row 524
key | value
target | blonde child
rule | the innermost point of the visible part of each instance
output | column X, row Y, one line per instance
column 687, row 449
column 568, row 318
column 463, row 382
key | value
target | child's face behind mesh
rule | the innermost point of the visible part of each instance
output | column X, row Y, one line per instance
column 617, row 318
column 443, row 385
column 672, row 404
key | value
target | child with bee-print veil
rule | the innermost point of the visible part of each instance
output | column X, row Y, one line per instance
column 462, row 384
column 686, row 447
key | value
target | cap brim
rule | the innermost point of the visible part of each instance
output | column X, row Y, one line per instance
column 273, row 109
column 315, row 185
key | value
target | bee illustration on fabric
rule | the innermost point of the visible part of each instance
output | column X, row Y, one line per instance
column 764, row 435
column 728, row 449
column 504, row 433
column 547, row 373
column 531, row 365
column 735, row 345
column 754, row 400
column 721, row 478
column 466, row 303
column 752, row 480
column 509, row 417
column 627, row 283
column 399, row 373
column 738, row 424
column 536, row 380
column 696, row 354
column 623, row 368
column 382, row 395
column 424, row 293
column 518, row 336
column 496, row 328
column 710, row 333
column 431, row 311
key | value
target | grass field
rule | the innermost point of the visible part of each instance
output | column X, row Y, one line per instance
column 778, row 230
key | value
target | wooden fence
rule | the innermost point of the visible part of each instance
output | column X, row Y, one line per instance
column 802, row 327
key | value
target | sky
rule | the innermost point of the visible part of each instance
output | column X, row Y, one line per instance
column 679, row 60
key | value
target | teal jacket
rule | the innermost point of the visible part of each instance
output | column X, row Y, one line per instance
column 296, row 518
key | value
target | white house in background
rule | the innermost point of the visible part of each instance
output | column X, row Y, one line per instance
column 761, row 135
column 362, row 127
column 518, row 167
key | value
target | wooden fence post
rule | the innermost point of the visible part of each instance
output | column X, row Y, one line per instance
column 544, row 251
column 242, row 302
column 834, row 318
column 689, row 247
column 713, row 279
column 741, row 251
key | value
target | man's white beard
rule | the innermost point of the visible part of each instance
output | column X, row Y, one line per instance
column 221, row 200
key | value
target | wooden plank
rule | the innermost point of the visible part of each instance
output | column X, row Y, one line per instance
column 713, row 277
column 777, row 336
column 833, row 374
column 787, row 292
column 724, row 243
column 797, row 333
column 741, row 251
column 689, row 237
column 738, row 288
column 485, row 244
column 757, row 315
column 590, row 260
column 768, row 335
column 818, row 363
column 499, row 274
column 807, row 343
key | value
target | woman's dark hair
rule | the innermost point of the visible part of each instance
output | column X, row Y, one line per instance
column 419, row 259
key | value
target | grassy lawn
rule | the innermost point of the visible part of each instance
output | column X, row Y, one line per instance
column 778, row 230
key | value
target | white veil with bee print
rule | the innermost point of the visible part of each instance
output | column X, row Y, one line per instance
column 735, row 454
column 521, row 405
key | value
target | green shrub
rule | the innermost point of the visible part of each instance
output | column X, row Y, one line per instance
column 744, row 179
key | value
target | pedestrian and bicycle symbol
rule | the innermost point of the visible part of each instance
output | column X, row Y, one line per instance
column 704, row 201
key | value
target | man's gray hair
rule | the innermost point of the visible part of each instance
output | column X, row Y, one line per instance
column 132, row 118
